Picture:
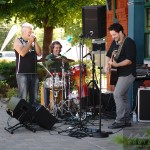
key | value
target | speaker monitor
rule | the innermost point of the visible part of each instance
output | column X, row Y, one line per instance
column 20, row 109
column 144, row 104
column 94, row 21
column 26, row 113
column 43, row 117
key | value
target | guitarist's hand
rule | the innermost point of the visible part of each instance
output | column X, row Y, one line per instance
column 113, row 63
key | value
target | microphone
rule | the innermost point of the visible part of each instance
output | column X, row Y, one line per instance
column 81, row 35
column 90, row 33
column 87, row 55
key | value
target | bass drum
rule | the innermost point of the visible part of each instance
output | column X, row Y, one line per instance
column 57, row 97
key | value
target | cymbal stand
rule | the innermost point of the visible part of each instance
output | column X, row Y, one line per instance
column 63, row 86
column 63, row 103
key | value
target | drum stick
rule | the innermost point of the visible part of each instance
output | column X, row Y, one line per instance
column 66, row 51
column 40, row 63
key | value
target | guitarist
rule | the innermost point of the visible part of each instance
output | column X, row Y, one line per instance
column 126, row 71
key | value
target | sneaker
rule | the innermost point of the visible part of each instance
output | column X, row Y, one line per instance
column 117, row 125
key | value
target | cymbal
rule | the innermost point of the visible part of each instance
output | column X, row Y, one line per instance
column 63, row 59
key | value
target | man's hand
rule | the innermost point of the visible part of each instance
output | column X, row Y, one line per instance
column 113, row 63
column 107, row 69
column 31, row 38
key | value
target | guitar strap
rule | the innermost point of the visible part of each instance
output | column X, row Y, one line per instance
column 120, row 48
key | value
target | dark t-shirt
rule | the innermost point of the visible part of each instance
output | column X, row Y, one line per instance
column 28, row 63
column 128, row 51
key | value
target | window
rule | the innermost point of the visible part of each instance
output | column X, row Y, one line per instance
column 108, row 5
column 147, row 46
column 147, row 29
column 147, row 24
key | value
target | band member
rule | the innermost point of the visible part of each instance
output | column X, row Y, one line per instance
column 27, row 49
column 54, row 65
column 126, row 71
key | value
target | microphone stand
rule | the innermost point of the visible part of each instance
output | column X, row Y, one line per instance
column 80, row 131
column 100, row 133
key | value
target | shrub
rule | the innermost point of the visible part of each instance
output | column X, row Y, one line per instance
column 3, row 88
column 12, row 92
column 7, row 70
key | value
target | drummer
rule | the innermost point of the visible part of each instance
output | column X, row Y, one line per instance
column 54, row 65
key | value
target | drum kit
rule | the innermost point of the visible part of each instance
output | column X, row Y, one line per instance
column 62, row 99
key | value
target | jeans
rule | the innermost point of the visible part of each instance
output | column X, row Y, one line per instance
column 121, row 98
column 28, row 85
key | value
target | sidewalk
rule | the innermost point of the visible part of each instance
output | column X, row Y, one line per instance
column 55, row 139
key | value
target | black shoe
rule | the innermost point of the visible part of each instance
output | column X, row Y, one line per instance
column 117, row 125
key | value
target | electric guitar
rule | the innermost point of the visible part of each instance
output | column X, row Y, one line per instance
column 115, row 56
column 113, row 70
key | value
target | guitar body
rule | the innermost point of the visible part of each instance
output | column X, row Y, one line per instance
column 113, row 76
column 113, row 70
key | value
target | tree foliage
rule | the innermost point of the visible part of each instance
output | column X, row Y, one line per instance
column 47, row 14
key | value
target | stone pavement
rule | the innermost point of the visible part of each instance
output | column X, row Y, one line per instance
column 55, row 139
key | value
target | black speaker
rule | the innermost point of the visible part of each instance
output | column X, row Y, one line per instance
column 20, row 109
column 144, row 104
column 43, row 117
column 107, row 100
column 94, row 21
column 93, row 97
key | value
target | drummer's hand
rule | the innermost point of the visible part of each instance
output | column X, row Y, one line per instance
column 58, row 57
column 49, row 62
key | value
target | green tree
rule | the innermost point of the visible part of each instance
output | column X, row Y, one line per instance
column 46, row 14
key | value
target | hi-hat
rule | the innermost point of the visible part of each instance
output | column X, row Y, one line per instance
column 63, row 59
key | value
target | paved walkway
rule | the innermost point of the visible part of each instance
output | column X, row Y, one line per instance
column 55, row 139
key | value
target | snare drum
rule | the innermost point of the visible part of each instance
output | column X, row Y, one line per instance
column 56, row 81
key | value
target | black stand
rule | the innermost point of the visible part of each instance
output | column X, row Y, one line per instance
column 94, row 84
column 100, row 133
column 80, row 130
column 28, row 126
column 24, row 115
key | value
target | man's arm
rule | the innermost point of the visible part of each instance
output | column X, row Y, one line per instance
column 125, row 62
column 107, row 65
column 22, row 50
column 37, row 48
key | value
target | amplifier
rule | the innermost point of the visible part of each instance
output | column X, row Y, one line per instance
column 144, row 104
